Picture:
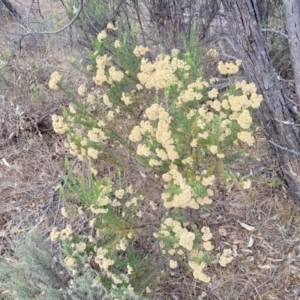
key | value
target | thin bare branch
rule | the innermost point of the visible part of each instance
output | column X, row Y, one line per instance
column 284, row 148
column 276, row 32
column 55, row 31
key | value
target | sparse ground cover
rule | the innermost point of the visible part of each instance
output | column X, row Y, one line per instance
column 261, row 223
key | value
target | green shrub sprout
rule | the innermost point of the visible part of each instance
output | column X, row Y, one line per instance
column 176, row 129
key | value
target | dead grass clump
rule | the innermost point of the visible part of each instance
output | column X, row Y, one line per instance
column 32, row 157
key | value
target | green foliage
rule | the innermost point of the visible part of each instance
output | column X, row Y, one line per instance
column 112, row 225
column 273, row 17
column 36, row 274
column 183, row 132
column 97, row 15
column 34, row 269
column 37, row 92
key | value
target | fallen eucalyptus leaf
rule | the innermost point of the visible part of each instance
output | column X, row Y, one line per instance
column 250, row 242
column 247, row 227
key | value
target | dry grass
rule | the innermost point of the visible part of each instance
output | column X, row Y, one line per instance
column 32, row 162
column 32, row 156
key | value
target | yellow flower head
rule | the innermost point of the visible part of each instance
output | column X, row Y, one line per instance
column 227, row 68
column 80, row 247
column 93, row 153
column 120, row 193
column 81, row 90
column 245, row 119
column 213, row 149
column 213, row 53
column 135, row 135
column 246, row 184
column 208, row 246
column 58, row 124
column 54, row 79
column 64, row 212
column 213, row 93
column 140, row 50
column 54, row 235
column 246, row 137
column 65, row 233
column 174, row 52
column 117, row 44
column 173, row 264
column 101, row 36
column 70, row 262
column 111, row 26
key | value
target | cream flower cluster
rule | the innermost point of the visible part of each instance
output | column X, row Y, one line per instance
column 246, row 137
column 185, row 198
column 70, row 262
column 102, row 260
column 72, row 148
column 114, row 75
column 97, row 211
column 103, row 63
column 63, row 234
column 206, row 237
column 195, row 257
column 121, row 246
column 58, row 124
column 233, row 108
column 93, row 153
column 140, row 50
column 245, row 119
column 80, row 247
column 245, row 97
column 163, row 136
column 126, row 99
column 161, row 133
column 106, row 101
column 117, row 44
column 212, row 53
column 225, row 129
column 228, row 68
column 194, row 91
column 239, row 106
column 246, row 184
column 135, row 135
column 102, row 201
column 198, row 271
column 206, row 181
column 227, row 256
column 213, row 93
column 205, row 116
column 96, row 135
column 90, row 99
column 111, row 26
column 185, row 238
column 249, row 89
column 158, row 74
column 101, row 36
column 105, row 262
column 81, row 90
column 54, row 79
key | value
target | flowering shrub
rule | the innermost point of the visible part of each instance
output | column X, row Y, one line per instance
column 174, row 125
